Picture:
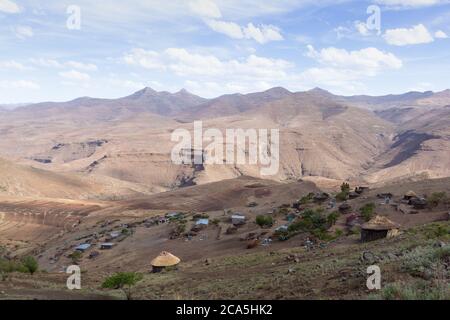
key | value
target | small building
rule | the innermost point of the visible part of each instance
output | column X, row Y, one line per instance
column 164, row 260
column 173, row 215
column 321, row 197
column 283, row 228
column 418, row 203
column 94, row 254
column 385, row 195
column 353, row 195
column 345, row 208
column 361, row 190
column 83, row 247
column 238, row 219
column 162, row 220
column 378, row 228
column 409, row 195
column 202, row 222
column 106, row 245
column 352, row 220
column 114, row 234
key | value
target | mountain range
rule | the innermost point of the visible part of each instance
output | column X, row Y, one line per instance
column 324, row 137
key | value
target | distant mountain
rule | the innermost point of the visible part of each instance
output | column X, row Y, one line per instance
column 146, row 100
column 234, row 104
column 322, row 135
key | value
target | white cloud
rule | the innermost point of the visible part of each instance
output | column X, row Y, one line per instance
column 9, row 6
column 11, row 64
column 261, row 34
column 440, row 35
column 75, row 75
column 19, row 84
column 143, row 58
column 362, row 29
column 244, row 75
column 369, row 61
column 82, row 66
column 231, row 29
column 205, row 8
column 343, row 71
column 23, row 32
column 410, row 3
column 52, row 63
column 128, row 84
column 401, row 37
column 41, row 62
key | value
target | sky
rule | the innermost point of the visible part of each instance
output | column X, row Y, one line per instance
column 60, row 50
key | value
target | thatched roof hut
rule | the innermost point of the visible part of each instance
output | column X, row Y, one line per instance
column 378, row 228
column 164, row 260
column 409, row 195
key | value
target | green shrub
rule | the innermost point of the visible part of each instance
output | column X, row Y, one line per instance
column 426, row 261
column 332, row 218
column 264, row 221
column 312, row 221
column 342, row 196
column 339, row 233
column 124, row 281
column 437, row 231
column 436, row 199
column 420, row 290
column 306, row 199
column 76, row 257
column 345, row 187
column 367, row 211
column 30, row 264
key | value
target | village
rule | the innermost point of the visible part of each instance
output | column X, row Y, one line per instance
column 314, row 221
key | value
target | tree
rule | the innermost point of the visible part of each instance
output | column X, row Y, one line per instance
column 367, row 211
column 332, row 218
column 30, row 264
column 345, row 187
column 124, row 281
column 264, row 221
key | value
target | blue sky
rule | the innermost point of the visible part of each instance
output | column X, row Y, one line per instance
column 214, row 47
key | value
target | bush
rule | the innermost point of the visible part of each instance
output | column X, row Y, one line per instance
column 436, row 199
column 313, row 221
column 332, row 218
column 8, row 266
column 420, row 290
column 426, row 261
column 124, row 281
column 367, row 211
column 306, row 199
column 264, row 221
column 437, row 231
column 339, row 233
column 76, row 257
column 30, row 264
column 342, row 196
column 345, row 187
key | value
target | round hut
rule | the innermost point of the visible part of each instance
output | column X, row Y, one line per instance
column 164, row 260
column 378, row 228
column 409, row 195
